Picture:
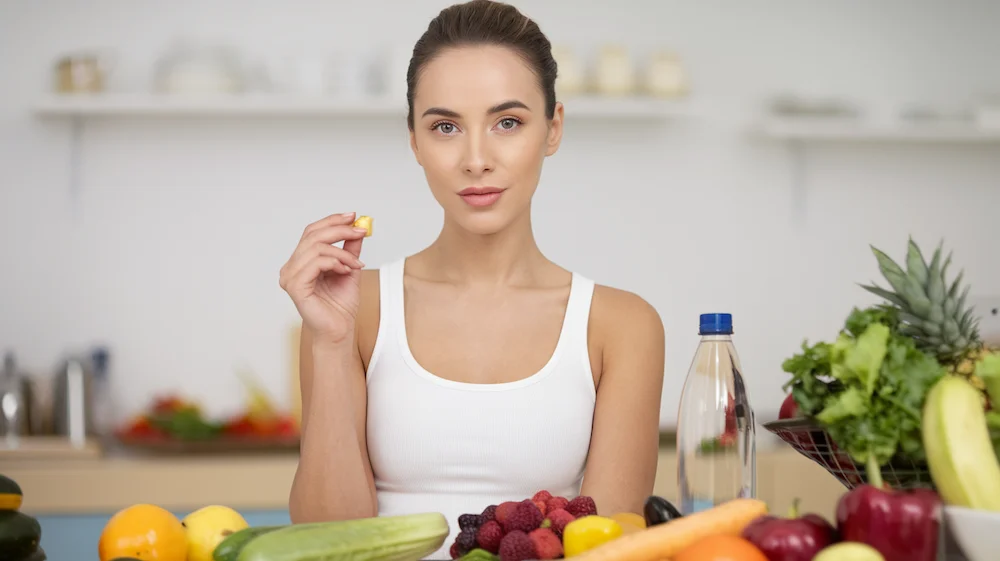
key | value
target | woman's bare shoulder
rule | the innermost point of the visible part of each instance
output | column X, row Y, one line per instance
column 623, row 324
column 621, row 311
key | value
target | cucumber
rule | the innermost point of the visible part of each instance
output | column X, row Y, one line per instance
column 229, row 549
column 960, row 455
column 407, row 537
column 19, row 534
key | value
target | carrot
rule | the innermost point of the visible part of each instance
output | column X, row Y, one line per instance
column 666, row 540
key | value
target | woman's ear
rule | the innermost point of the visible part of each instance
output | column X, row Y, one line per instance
column 555, row 131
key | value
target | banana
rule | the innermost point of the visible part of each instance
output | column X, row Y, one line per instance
column 959, row 452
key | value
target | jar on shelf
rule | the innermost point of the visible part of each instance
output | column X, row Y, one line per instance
column 571, row 76
column 665, row 76
column 615, row 75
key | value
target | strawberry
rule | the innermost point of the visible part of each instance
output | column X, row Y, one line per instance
column 547, row 544
column 504, row 510
column 556, row 502
column 557, row 520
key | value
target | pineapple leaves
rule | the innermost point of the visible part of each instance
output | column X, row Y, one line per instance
column 932, row 308
column 915, row 264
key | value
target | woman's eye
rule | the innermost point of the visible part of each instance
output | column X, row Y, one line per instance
column 508, row 124
column 446, row 128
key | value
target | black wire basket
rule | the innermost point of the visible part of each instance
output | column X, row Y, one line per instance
column 808, row 438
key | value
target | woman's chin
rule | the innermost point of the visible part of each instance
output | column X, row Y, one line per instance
column 484, row 223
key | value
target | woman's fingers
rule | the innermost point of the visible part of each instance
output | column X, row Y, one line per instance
column 332, row 220
column 318, row 266
column 321, row 250
column 332, row 235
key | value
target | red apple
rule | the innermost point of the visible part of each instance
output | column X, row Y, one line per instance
column 796, row 538
column 789, row 409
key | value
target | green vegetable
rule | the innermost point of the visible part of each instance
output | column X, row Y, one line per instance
column 478, row 554
column 867, row 388
column 187, row 424
column 380, row 538
column 229, row 549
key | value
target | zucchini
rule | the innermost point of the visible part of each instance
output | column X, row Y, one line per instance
column 19, row 534
column 407, row 537
column 10, row 494
column 229, row 549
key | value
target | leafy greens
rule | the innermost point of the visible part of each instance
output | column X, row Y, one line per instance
column 866, row 388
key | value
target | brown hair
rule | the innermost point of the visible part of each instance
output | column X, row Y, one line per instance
column 485, row 22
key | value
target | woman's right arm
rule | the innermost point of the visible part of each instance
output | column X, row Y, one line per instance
column 334, row 478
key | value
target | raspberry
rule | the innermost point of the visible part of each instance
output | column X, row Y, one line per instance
column 547, row 544
column 556, row 502
column 489, row 513
column 489, row 536
column 466, row 540
column 541, row 506
column 557, row 520
column 526, row 517
column 542, row 496
column 517, row 546
column 466, row 521
column 454, row 551
column 504, row 510
column 581, row 506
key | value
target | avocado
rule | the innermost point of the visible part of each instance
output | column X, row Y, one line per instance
column 20, row 534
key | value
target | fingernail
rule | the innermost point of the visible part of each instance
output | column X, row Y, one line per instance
column 361, row 230
column 361, row 264
column 348, row 214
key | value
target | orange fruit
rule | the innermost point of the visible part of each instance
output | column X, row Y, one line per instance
column 143, row 531
column 721, row 548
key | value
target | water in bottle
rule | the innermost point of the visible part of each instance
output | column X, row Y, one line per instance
column 716, row 447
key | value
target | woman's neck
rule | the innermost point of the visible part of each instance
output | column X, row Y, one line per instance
column 507, row 257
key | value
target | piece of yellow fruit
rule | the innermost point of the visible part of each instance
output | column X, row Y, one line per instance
column 366, row 223
column 629, row 519
column 663, row 541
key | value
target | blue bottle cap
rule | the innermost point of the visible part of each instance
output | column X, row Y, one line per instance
column 716, row 324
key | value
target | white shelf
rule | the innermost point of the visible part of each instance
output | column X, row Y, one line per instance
column 861, row 130
column 250, row 105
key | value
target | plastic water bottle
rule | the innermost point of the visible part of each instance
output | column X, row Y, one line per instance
column 716, row 449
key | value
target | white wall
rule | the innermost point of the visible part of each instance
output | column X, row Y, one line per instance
column 171, row 248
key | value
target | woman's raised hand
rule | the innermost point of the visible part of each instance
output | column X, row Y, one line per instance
column 323, row 280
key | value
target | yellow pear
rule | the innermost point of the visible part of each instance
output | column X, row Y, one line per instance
column 207, row 527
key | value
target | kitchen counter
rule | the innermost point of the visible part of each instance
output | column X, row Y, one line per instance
column 262, row 481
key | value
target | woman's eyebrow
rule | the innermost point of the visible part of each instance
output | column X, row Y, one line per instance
column 506, row 105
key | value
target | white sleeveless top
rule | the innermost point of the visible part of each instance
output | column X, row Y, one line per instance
column 438, row 445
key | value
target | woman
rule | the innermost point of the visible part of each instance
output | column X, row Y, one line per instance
column 475, row 371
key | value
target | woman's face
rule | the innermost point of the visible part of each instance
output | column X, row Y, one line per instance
column 481, row 134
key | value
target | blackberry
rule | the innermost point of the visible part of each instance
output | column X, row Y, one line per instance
column 467, row 521
column 489, row 513
column 466, row 540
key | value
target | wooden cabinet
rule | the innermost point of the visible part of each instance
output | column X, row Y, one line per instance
column 782, row 476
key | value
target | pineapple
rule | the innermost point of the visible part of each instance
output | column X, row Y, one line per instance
column 933, row 311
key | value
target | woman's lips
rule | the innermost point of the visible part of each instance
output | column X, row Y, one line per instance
column 480, row 196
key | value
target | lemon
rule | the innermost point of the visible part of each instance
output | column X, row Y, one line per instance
column 207, row 527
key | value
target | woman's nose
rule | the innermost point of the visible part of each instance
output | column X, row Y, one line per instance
column 478, row 159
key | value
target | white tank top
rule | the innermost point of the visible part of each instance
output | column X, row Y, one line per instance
column 438, row 445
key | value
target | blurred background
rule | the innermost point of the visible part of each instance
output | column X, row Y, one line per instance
column 158, row 162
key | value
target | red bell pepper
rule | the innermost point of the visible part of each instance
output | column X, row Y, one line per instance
column 901, row 525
